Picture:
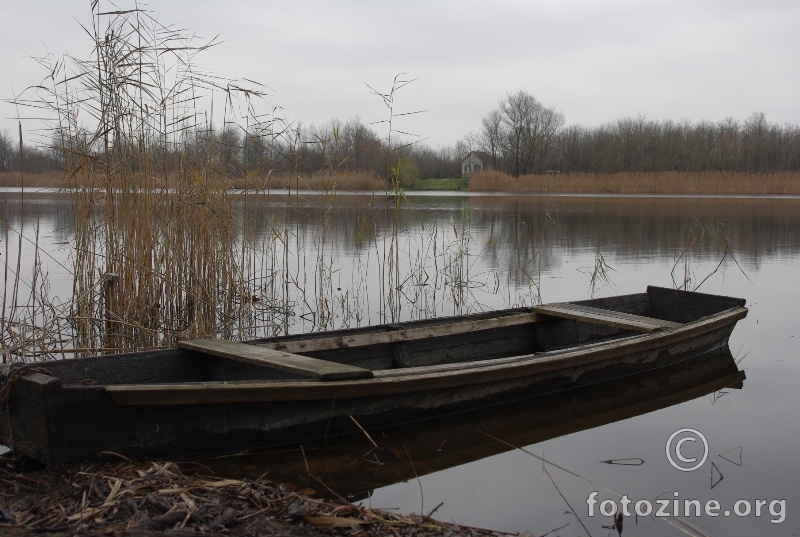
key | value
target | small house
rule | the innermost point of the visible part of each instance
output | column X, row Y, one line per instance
column 476, row 161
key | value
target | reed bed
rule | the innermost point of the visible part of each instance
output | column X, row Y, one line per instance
column 322, row 180
column 155, row 252
column 259, row 180
column 163, row 249
column 281, row 270
column 678, row 183
column 49, row 179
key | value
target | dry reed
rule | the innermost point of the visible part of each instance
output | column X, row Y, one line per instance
column 164, row 249
column 50, row 179
column 322, row 180
column 155, row 254
column 258, row 180
column 165, row 498
column 678, row 183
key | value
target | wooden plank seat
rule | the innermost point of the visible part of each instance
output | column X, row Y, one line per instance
column 284, row 361
column 399, row 336
column 618, row 319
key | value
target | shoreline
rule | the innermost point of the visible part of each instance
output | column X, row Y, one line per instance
column 647, row 184
column 54, row 192
column 159, row 498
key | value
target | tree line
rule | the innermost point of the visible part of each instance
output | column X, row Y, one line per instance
column 520, row 136
column 32, row 158
column 523, row 136
column 641, row 145
column 233, row 151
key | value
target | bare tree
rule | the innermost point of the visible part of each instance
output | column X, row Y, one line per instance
column 361, row 145
column 530, row 130
column 254, row 150
column 492, row 134
column 228, row 147
column 6, row 150
column 546, row 123
column 518, row 109
column 469, row 143
column 640, row 145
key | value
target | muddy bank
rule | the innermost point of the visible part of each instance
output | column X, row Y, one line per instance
column 145, row 499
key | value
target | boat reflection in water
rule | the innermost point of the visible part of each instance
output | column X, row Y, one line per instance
column 354, row 465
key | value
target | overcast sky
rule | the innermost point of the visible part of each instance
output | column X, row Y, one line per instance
column 595, row 61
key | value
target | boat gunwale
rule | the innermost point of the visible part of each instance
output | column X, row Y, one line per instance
column 421, row 378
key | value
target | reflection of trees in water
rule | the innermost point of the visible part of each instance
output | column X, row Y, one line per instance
column 350, row 242
column 52, row 211
column 458, row 249
column 516, row 230
column 321, row 260
column 628, row 228
column 631, row 228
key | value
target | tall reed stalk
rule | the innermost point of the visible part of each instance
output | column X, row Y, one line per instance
column 156, row 250
column 163, row 250
column 701, row 239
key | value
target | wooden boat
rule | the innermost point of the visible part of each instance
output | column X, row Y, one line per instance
column 210, row 396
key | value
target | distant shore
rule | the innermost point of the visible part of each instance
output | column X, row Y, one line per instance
column 661, row 183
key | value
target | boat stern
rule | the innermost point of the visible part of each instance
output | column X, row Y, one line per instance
column 24, row 415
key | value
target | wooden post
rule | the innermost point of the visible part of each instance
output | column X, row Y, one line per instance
column 110, row 298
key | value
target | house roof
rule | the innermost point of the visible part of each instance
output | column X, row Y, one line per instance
column 482, row 155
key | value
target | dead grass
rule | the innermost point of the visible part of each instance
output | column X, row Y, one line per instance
column 360, row 180
column 160, row 498
column 699, row 183
column 48, row 179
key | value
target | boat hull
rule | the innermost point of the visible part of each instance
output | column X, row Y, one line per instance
column 53, row 418
column 348, row 466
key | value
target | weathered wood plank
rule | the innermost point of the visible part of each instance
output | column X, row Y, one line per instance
column 397, row 336
column 685, row 306
column 606, row 317
column 637, row 350
column 635, row 353
column 294, row 363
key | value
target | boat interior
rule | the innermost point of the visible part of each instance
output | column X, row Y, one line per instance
column 368, row 352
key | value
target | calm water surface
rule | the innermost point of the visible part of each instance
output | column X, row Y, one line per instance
column 516, row 248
